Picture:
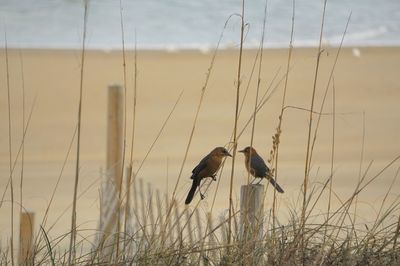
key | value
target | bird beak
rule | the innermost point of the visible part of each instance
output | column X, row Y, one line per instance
column 228, row 154
column 242, row 151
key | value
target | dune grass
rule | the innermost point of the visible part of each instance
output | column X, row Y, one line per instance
column 185, row 242
column 72, row 243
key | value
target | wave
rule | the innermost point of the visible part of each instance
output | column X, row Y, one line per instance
column 350, row 41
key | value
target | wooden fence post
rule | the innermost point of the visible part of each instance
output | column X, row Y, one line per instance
column 27, row 220
column 114, row 171
column 115, row 126
column 251, row 219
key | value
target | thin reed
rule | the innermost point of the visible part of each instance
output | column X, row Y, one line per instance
column 74, row 199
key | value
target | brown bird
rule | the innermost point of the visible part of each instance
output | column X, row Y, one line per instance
column 207, row 167
column 256, row 166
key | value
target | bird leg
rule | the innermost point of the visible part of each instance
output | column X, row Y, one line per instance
column 259, row 181
column 201, row 194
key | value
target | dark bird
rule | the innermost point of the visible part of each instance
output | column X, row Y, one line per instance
column 256, row 166
column 207, row 167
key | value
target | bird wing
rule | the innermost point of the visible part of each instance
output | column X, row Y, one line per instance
column 200, row 167
column 258, row 166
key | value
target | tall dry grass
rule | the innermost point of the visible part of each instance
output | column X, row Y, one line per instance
column 71, row 255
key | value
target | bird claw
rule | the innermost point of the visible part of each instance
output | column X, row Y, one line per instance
column 202, row 196
column 214, row 177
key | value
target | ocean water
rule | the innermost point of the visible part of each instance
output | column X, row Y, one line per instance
column 179, row 24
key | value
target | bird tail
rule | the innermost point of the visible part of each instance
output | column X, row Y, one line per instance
column 192, row 190
column 274, row 184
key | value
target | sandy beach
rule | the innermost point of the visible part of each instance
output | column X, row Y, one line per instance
column 366, row 82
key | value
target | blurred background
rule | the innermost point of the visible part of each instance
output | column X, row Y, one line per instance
column 193, row 24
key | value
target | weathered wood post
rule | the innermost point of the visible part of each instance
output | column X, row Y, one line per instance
column 114, row 171
column 115, row 127
column 26, row 224
column 251, row 219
